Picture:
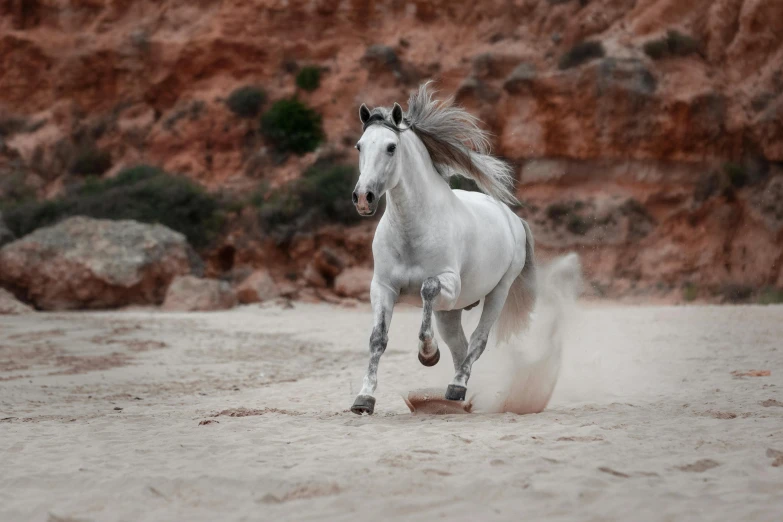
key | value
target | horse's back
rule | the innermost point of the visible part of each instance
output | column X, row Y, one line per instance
column 492, row 213
column 495, row 238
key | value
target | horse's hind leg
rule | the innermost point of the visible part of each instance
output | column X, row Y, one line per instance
column 450, row 328
column 493, row 305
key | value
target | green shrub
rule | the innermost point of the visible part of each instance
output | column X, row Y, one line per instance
column 578, row 225
column 125, row 177
column 656, row 49
column 690, row 292
column 581, row 53
column 770, row 295
column 90, row 161
column 328, row 188
column 681, row 44
column 322, row 194
column 142, row 193
column 557, row 211
column 246, row 102
column 292, row 126
column 309, row 78
column 14, row 188
column 736, row 293
column 674, row 43
column 737, row 175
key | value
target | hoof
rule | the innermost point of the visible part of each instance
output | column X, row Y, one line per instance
column 432, row 361
column 363, row 404
column 455, row 392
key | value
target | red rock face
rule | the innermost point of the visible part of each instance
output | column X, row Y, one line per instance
column 646, row 148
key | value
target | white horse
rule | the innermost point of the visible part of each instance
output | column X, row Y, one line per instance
column 435, row 247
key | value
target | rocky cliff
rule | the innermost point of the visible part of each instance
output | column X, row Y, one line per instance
column 646, row 135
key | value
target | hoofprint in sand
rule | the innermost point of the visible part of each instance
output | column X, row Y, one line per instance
column 243, row 415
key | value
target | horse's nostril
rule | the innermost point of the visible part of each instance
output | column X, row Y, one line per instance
column 370, row 197
column 355, row 198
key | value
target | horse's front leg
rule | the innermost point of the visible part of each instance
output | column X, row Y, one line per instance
column 439, row 293
column 382, row 299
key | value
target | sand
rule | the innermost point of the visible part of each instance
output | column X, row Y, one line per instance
column 243, row 415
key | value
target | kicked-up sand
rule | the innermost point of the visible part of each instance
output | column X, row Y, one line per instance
column 660, row 413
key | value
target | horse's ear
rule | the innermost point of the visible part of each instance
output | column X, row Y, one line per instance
column 364, row 113
column 397, row 114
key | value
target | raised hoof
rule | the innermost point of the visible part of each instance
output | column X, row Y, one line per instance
column 363, row 404
column 455, row 392
column 432, row 361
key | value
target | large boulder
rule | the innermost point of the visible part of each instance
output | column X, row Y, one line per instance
column 257, row 287
column 91, row 263
column 9, row 305
column 354, row 282
column 193, row 294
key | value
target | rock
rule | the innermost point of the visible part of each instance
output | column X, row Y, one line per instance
column 288, row 290
column 328, row 263
column 354, row 282
column 313, row 276
column 193, row 294
column 257, row 287
column 91, row 263
column 9, row 305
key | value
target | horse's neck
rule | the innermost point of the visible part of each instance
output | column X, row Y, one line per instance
column 421, row 192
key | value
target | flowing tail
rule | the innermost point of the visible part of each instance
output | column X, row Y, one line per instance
column 515, row 315
column 534, row 370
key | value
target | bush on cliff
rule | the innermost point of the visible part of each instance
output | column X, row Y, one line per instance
column 292, row 126
column 322, row 194
column 674, row 43
column 142, row 193
column 90, row 161
column 246, row 101
column 309, row 78
column 581, row 53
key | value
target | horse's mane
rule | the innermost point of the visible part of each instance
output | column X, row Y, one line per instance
column 456, row 143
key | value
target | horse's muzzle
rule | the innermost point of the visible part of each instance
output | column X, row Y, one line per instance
column 366, row 202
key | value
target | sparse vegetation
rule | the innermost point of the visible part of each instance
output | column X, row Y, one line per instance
column 578, row 225
column 581, row 53
column 14, row 189
column 246, row 102
column 736, row 293
column 736, row 174
column 90, row 161
column 770, row 295
column 292, row 126
column 10, row 125
column 674, row 43
column 690, row 292
column 557, row 211
column 322, row 194
column 309, row 78
column 142, row 193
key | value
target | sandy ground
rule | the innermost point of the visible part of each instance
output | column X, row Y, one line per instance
column 243, row 415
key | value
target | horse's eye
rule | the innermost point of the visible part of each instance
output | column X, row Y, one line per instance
column 358, row 147
column 391, row 148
